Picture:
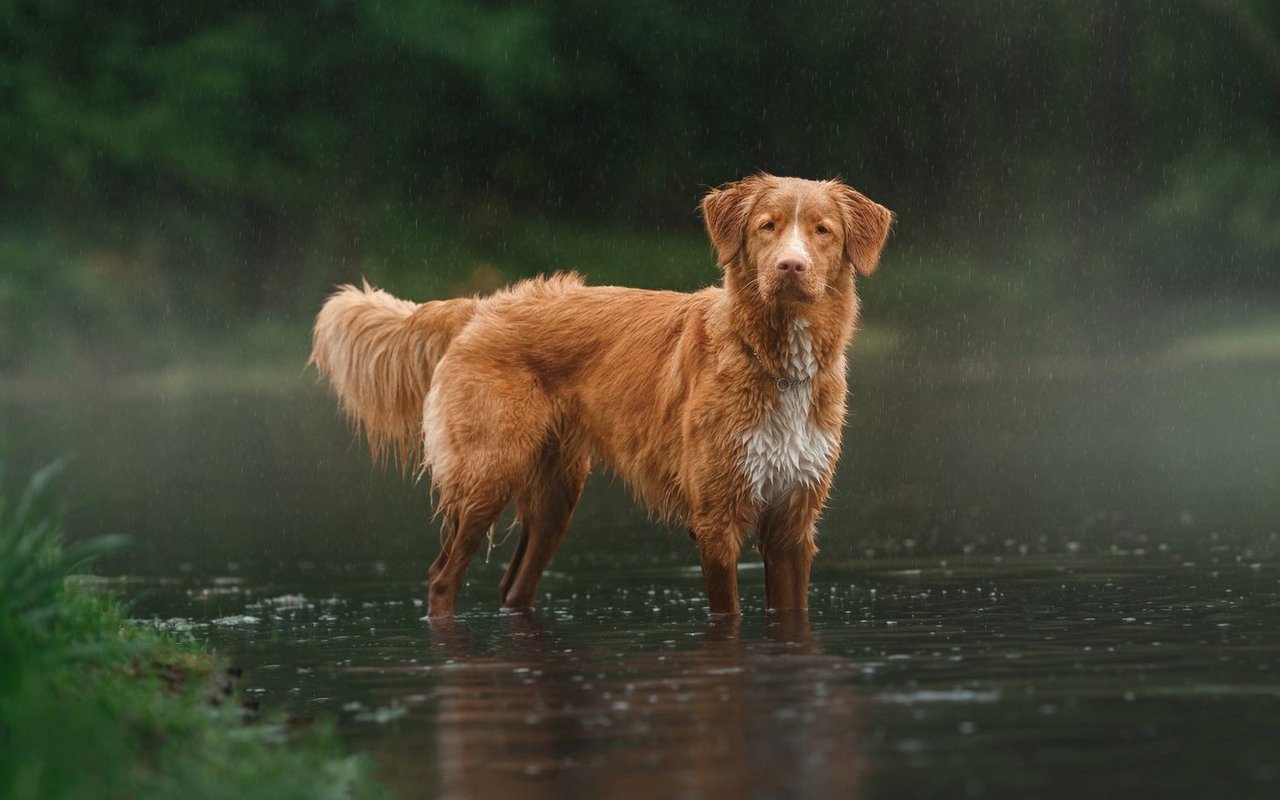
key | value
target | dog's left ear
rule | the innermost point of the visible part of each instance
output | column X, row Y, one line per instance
column 725, row 211
column 866, row 228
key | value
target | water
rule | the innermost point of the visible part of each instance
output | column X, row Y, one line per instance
column 1038, row 579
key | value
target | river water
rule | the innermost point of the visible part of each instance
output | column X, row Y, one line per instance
column 1038, row 578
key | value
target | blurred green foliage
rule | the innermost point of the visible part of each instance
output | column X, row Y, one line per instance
column 170, row 168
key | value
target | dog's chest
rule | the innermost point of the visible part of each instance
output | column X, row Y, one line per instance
column 787, row 450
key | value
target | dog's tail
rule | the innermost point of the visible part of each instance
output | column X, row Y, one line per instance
column 379, row 353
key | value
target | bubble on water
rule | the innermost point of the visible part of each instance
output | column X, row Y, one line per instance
column 237, row 619
column 925, row 696
column 173, row 624
column 288, row 601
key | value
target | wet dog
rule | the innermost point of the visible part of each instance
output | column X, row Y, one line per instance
column 721, row 409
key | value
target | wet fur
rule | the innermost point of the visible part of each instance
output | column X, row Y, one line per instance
column 516, row 395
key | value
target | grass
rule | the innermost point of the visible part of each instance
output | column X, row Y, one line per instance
column 93, row 706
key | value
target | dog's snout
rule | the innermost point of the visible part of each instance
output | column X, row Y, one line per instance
column 791, row 264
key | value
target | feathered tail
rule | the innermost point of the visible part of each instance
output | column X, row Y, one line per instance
column 379, row 353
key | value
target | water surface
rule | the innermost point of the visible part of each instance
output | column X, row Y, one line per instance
column 1037, row 580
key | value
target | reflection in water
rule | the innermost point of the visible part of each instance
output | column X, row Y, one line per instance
column 1041, row 678
column 726, row 718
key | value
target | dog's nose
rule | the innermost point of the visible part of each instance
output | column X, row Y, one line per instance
column 791, row 265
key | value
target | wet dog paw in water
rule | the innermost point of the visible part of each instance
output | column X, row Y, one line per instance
column 722, row 409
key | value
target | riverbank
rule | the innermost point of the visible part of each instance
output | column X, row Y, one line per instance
column 94, row 705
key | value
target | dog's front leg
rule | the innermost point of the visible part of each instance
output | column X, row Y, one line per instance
column 786, row 537
column 718, row 547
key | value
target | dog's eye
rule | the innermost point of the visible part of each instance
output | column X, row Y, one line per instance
column 768, row 226
column 822, row 230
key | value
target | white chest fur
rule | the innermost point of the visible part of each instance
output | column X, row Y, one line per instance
column 787, row 450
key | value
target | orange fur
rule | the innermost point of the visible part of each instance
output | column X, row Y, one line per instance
column 379, row 353
column 686, row 396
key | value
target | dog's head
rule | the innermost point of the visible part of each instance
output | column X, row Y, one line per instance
column 792, row 240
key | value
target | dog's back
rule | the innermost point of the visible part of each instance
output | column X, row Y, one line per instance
column 605, row 371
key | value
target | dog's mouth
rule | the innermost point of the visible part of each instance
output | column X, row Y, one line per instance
column 792, row 290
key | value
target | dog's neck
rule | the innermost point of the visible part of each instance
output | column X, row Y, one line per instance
column 795, row 341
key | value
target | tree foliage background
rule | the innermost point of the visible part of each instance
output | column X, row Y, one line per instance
column 204, row 166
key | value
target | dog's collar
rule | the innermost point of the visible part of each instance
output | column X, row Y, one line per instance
column 783, row 384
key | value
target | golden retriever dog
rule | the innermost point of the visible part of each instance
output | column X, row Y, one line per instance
column 721, row 409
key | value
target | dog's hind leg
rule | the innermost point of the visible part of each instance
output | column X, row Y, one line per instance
column 484, row 433
column 450, row 568
column 522, row 546
column 442, row 558
column 545, row 506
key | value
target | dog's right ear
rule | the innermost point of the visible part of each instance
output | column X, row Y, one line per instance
column 725, row 211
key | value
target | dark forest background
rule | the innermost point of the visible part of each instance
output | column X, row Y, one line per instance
column 184, row 179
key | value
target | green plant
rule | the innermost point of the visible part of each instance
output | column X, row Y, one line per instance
column 94, row 706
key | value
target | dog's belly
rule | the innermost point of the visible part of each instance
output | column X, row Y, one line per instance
column 786, row 451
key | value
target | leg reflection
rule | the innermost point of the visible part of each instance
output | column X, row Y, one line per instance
column 530, row 713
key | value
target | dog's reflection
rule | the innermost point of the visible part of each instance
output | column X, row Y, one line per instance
column 773, row 717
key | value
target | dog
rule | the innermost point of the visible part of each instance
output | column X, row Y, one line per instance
column 722, row 409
